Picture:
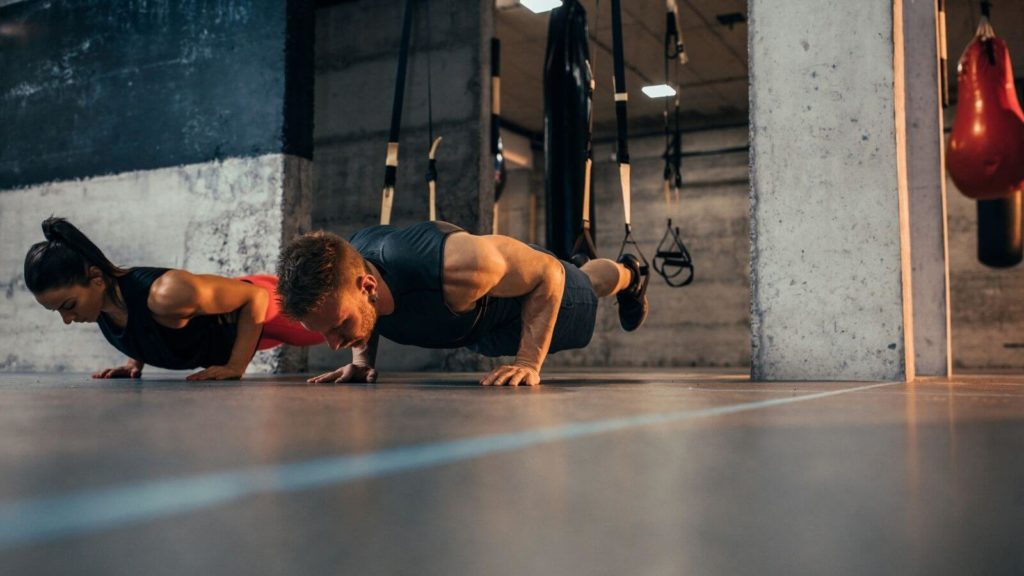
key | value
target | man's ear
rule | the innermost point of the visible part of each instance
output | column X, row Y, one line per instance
column 368, row 283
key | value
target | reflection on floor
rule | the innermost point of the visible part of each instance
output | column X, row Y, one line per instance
column 665, row 472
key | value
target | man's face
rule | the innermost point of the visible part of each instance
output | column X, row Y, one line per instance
column 345, row 319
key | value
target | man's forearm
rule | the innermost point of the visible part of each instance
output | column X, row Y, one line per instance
column 540, row 311
column 367, row 355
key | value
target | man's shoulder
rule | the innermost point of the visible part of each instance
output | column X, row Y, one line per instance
column 374, row 238
column 411, row 257
column 370, row 237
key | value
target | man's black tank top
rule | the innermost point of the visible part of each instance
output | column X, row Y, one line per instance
column 411, row 262
column 204, row 341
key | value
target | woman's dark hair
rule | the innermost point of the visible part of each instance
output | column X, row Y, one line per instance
column 64, row 259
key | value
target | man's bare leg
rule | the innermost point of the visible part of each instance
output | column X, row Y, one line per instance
column 607, row 276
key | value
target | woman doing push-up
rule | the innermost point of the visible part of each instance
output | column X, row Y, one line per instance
column 164, row 317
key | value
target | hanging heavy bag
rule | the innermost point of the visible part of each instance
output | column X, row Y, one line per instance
column 985, row 156
column 567, row 102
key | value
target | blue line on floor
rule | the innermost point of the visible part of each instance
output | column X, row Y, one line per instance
column 80, row 513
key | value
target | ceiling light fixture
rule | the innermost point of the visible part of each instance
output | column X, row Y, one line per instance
column 659, row 91
column 540, row 6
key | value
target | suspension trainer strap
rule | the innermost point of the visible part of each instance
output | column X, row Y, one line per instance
column 434, row 142
column 677, row 153
column 674, row 50
column 943, row 52
column 391, row 160
column 496, row 145
column 621, row 97
column 671, row 258
column 674, row 45
column 622, row 152
column 584, row 248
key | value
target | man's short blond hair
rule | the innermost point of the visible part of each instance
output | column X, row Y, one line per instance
column 314, row 266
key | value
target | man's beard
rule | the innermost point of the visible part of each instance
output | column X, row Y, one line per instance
column 367, row 323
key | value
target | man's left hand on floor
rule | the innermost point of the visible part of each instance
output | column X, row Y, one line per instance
column 512, row 375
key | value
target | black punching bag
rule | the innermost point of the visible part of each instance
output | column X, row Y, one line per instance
column 567, row 97
column 999, row 231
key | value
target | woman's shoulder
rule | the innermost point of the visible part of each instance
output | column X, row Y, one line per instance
column 171, row 290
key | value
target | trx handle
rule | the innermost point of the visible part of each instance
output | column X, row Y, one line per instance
column 391, row 161
column 672, row 259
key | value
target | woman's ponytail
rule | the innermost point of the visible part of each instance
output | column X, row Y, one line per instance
column 64, row 258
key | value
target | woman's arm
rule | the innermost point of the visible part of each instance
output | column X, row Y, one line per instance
column 178, row 296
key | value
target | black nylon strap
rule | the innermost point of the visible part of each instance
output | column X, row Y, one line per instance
column 390, row 172
column 496, row 144
column 622, row 153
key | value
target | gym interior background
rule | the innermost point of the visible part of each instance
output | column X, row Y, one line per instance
column 162, row 152
column 204, row 135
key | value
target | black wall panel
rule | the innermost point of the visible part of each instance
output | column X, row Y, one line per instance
column 90, row 87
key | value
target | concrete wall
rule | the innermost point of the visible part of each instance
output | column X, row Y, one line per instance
column 172, row 134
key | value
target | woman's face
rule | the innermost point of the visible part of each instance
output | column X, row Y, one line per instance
column 76, row 303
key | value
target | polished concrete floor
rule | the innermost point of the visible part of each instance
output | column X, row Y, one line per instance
column 682, row 472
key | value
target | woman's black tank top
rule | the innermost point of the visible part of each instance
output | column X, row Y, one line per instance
column 204, row 341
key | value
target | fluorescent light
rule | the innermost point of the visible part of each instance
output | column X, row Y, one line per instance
column 659, row 91
column 540, row 6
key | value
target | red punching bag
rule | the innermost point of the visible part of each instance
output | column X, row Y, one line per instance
column 985, row 156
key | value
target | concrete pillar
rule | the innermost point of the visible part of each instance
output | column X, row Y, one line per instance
column 927, row 185
column 174, row 135
column 830, row 261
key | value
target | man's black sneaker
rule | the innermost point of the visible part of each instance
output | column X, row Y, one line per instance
column 633, row 299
